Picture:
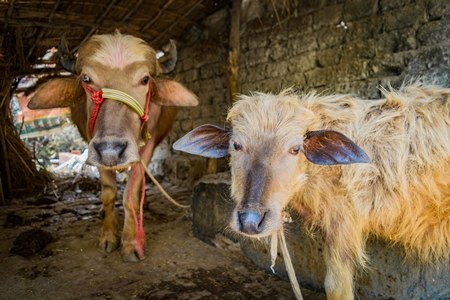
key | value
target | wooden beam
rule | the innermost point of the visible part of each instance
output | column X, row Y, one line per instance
column 61, row 24
column 94, row 28
column 160, row 12
column 178, row 21
column 42, row 31
column 131, row 11
column 30, row 13
column 10, row 8
column 57, row 25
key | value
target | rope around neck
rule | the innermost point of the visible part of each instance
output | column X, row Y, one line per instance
column 287, row 260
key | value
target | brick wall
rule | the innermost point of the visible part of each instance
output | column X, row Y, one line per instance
column 345, row 46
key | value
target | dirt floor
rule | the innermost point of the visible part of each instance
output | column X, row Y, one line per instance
column 177, row 265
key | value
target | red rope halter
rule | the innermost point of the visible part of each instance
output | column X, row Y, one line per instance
column 97, row 98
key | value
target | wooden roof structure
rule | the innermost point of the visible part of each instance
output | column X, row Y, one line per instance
column 41, row 23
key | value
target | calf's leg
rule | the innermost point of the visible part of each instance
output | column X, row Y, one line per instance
column 344, row 244
column 130, row 251
column 339, row 279
column 109, row 240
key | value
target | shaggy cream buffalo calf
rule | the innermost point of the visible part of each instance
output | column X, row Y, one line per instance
column 123, row 110
column 302, row 151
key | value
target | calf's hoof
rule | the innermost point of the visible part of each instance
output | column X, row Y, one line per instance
column 131, row 255
column 107, row 246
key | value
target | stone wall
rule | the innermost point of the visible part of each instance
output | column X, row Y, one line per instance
column 350, row 46
column 345, row 46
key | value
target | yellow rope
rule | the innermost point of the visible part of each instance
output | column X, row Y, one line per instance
column 124, row 98
column 161, row 188
column 287, row 261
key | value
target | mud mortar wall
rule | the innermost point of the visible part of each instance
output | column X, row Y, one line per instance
column 389, row 275
column 345, row 46
column 333, row 46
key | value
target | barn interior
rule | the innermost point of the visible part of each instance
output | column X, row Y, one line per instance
column 224, row 47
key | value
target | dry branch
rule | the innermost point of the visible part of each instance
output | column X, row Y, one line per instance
column 19, row 174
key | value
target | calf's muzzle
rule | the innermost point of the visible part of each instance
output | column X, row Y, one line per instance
column 251, row 222
column 110, row 153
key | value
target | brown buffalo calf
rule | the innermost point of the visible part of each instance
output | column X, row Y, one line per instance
column 290, row 150
column 112, row 69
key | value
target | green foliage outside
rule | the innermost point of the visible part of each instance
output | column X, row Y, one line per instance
column 48, row 147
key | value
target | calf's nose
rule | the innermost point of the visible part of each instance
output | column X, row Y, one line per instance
column 110, row 153
column 251, row 222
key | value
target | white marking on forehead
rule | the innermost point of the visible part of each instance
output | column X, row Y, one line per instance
column 118, row 51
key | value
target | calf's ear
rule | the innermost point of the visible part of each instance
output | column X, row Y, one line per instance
column 328, row 147
column 206, row 140
column 172, row 93
column 59, row 92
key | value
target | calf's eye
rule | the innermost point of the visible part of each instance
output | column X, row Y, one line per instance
column 237, row 146
column 145, row 80
column 294, row 150
column 86, row 78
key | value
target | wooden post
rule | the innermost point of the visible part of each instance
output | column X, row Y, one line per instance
column 232, row 68
column 233, row 55
column 211, row 166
